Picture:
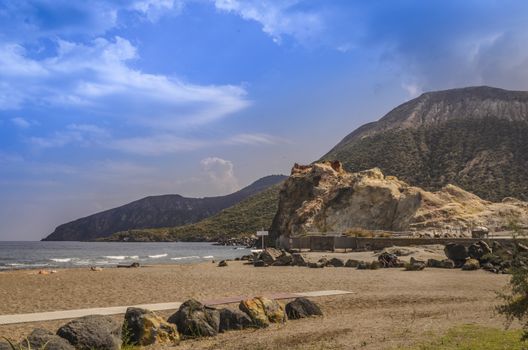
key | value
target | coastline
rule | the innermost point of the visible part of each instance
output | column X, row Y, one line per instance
column 432, row 300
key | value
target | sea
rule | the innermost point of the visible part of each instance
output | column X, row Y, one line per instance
column 51, row 255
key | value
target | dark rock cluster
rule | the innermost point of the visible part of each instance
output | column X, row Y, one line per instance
column 143, row 327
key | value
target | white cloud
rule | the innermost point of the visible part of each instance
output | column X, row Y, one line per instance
column 83, row 134
column 21, row 122
column 98, row 76
column 221, row 173
column 154, row 9
column 254, row 139
column 277, row 18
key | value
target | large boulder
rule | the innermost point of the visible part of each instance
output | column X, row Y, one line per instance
column 270, row 255
column 479, row 250
column 456, row 252
column 143, row 327
column 234, row 320
column 262, row 311
column 298, row 260
column 194, row 319
column 352, row 263
column 285, row 259
column 301, row 308
column 92, row 332
column 42, row 338
column 470, row 265
column 336, row 262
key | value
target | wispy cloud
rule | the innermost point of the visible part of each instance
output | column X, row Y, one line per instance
column 278, row 18
column 79, row 134
column 98, row 76
column 22, row 123
column 156, row 145
column 254, row 139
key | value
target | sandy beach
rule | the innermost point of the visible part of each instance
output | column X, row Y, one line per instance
column 388, row 307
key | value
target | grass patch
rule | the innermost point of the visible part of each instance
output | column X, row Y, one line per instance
column 473, row 337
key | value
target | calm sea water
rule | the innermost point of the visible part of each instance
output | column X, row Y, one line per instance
column 28, row 255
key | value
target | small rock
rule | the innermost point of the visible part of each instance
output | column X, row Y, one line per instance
column 301, row 308
column 285, row 259
column 336, row 262
column 470, row 265
column 298, row 260
column 143, row 327
column 351, row 263
column 259, row 263
column 96, row 268
column 262, row 311
column 222, row 263
column 323, row 261
column 194, row 319
column 270, row 255
column 92, row 332
column 443, row 264
column 316, row 265
column 234, row 320
column 415, row 265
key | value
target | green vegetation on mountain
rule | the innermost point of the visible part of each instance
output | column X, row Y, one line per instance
column 475, row 138
column 155, row 211
column 243, row 219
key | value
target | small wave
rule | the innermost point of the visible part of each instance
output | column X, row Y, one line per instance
column 157, row 256
column 186, row 257
column 207, row 257
column 61, row 259
column 115, row 257
column 134, row 257
column 21, row 265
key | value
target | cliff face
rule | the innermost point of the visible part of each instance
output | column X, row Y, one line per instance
column 155, row 212
column 324, row 197
column 475, row 138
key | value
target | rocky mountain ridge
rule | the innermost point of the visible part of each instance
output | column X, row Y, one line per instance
column 475, row 138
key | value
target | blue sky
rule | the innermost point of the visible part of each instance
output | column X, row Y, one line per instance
column 104, row 102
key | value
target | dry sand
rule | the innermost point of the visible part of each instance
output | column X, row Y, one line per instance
column 389, row 307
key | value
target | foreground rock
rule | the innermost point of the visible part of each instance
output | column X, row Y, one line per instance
column 92, row 332
column 301, row 308
column 324, row 197
column 471, row 265
column 44, row 339
column 442, row 264
column 234, row 320
column 269, row 255
column 194, row 319
column 262, row 311
column 143, row 327
column 456, row 252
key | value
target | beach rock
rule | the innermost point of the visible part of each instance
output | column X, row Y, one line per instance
column 262, row 311
column 351, row 263
column 415, row 265
column 298, row 260
column 285, row 259
column 40, row 338
column 246, row 257
column 92, row 332
column 316, row 265
column 336, row 262
column 470, row 265
column 270, row 255
column 363, row 265
column 143, row 327
column 259, row 263
column 222, row 263
column 194, row 319
column 388, row 260
column 323, row 261
column 234, row 320
column 301, row 308
column 456, row 252
column 442, row 264
column 478, row 250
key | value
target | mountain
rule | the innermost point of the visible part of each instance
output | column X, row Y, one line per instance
column 475, row 138
column 242, row 219
column 155, row 211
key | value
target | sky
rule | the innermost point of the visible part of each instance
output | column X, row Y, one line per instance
column 103, row 102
